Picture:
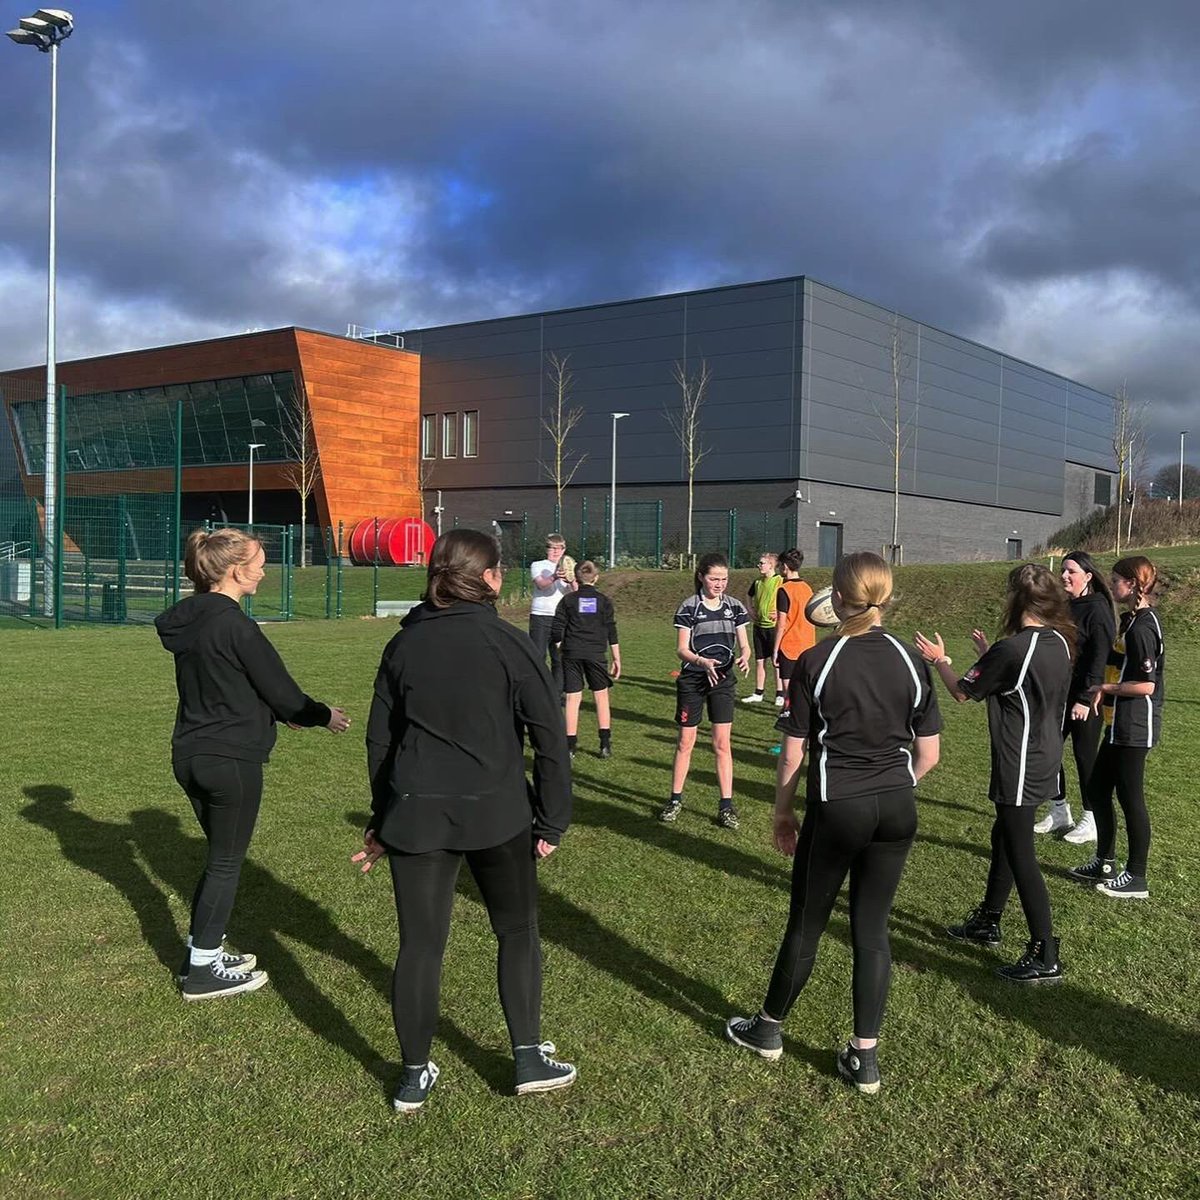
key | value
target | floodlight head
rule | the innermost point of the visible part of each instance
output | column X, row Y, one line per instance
column 36, row 25
column 58, row 17
column 618, row 416
column 26, row 37
column 256, row 445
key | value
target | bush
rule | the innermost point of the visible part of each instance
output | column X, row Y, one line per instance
column 1155, row 523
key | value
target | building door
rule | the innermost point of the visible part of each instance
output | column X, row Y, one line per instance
column 511, row 535
column 829, row 543
column 1014, row 550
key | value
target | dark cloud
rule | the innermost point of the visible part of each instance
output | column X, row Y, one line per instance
column 1001, row 171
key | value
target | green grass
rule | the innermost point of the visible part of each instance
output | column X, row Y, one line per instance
column 114, row 1088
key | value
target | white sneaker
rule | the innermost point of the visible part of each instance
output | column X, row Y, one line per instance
column 779, row 700
column 753, row 698
column 1084, row 831
column 1059, row 817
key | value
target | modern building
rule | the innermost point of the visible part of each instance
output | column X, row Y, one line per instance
column 809, row 392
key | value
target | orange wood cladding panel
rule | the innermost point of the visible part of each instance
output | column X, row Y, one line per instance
column 365, row 403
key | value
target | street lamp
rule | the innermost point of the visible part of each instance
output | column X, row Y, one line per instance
column 612, row 517
column 250, row 507
column 1182, row 435
column 44, row 31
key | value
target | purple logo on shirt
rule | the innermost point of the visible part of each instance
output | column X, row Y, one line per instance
column 587, row 604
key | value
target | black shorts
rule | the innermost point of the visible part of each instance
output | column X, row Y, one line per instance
column 786, row 666
column 764, row 642
column 694, row 693
column 577, row 671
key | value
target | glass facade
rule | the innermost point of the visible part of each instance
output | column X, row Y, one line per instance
column 135, row 430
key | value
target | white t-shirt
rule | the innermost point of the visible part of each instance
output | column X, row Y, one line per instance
column 545, row 603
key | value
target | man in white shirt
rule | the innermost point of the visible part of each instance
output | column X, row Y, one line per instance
column 549, row 586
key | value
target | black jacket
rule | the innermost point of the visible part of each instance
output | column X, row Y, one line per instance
column 456, row 691
column 232, row 683
column 585, row 623
column 1095, row 632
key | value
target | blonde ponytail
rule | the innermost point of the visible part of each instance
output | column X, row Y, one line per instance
column 209, row 554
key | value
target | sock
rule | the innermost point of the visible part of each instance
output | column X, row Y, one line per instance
column 676, row 797
column 205, row 958
column 726, row 802
column 605, row 738
column 572, row 740
column 758, row 691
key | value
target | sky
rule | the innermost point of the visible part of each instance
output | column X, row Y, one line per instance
column 1024, row 174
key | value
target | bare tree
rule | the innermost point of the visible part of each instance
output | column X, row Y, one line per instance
column 898, row 428
column 1122, row 422
column 559, row 423
column 686, row 423
column 303, row 467
column 1138, row 459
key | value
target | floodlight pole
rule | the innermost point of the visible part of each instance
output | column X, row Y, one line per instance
column 612, row 515
column 45, row 30
column 250, row 506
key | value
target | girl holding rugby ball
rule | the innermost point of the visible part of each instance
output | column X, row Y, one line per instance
column 710, row 629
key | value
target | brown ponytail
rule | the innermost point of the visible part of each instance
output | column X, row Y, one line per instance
column 456, row 566
column 1141, row 572
column 1034, row 590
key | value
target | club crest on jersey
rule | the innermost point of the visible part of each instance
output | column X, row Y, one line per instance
column 587, row 604
column 972, row 675
column 1147, row 665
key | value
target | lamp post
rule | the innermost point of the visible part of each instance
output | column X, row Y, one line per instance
column 612, row 516
column 1182, row 435
column 250, row 507
column 44, row 31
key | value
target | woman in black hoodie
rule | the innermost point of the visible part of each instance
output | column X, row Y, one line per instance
column 232, row 687
column 1093, row 612
column 448, row 782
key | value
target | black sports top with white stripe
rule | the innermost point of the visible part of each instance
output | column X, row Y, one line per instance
column 1138, row 656
column 860, row 702
column 1026, row 680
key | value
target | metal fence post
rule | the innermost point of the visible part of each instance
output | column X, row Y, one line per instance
column 340, row 582
column 87, row 572
column 289, row 558
column 327, row 542
column 524, row 552
column 583, row 528
column 608, row 518
column 658, row 522
column 60, row 469
column 733, row 537
column 122, row 564
column 177, row 532
column 375, row 572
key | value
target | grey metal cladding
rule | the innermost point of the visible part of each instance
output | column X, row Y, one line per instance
column 801, row 386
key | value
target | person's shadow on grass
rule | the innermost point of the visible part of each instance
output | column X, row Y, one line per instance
column 269, row 913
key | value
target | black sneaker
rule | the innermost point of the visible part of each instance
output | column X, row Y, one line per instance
column 981, row 926
column 1125, row 887
column 1039, row 964
column 231, row 962
column 606, row 751
column 765, row 1038
column 1095, row 870
column 415, row 1087
column 859, row 1068
column 727, row 818
column 206, row 983
column 671, row 811
column 538, row 1072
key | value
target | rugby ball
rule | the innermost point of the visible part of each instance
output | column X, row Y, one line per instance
column 819, row 610
column 567, row 563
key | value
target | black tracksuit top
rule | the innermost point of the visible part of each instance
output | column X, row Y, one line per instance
column 232, row 683
column 586, row 624
column 457, row 690
column 1095, row 632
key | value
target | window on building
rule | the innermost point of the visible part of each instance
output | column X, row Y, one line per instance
column 1015, row 553
column 449, row 435
column 429, row 435
column 470, row 432
column 1103, row 489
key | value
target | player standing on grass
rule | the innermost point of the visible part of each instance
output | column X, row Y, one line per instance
column 1095, row 632
column 794, row 633
column 762, row 607
column 710, row 629
column 1025, row 678
column 233, row 687
column 863, row 704
column 1132, row 700
column 549, row 580
column 585, row 630
column 448, row 782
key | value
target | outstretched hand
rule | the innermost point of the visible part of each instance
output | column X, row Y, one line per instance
column 371, row 852
column 743, row 662
column 980, row 639
column 930, row 649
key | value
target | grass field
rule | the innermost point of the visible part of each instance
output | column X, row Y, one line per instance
column 652, row 934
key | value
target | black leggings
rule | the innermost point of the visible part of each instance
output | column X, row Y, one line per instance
column 225, row 794
column 1085, row 741
column 540, row 627
column 424, row 886
column 868, row 837
column 1014, row 858
column 1123, row 768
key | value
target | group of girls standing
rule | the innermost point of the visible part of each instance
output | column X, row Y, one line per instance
column 861, row 704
